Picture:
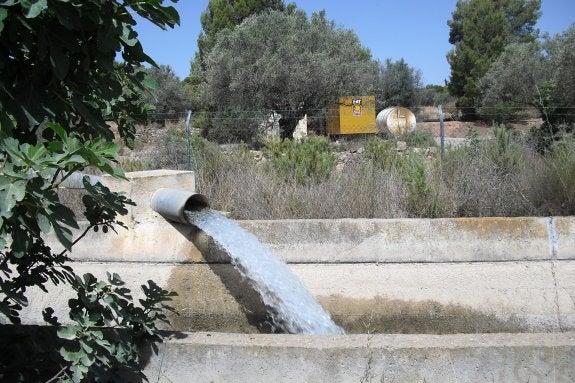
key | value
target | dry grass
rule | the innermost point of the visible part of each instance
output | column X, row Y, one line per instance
column 501, row 176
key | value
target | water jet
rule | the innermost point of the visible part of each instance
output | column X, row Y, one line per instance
column 291, row 306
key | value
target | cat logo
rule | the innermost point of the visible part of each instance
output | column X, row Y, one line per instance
column 356, row 106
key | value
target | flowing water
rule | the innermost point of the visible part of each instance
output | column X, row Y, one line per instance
column 290, row 304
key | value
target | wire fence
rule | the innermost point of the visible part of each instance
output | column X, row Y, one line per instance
column 422, row 113
column 250, row 126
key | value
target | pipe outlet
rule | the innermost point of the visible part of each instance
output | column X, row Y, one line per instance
column 172, row 203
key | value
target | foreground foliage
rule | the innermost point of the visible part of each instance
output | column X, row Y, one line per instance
column 59, row 85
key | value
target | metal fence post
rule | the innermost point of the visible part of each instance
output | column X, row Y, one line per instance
column 188, row 141
column 441, row 133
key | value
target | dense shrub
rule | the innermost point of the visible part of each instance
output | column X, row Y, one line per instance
column 311, row 160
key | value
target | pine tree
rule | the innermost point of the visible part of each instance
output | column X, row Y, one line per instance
column 480, row 30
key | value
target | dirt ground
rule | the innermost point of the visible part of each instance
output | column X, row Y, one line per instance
column 459, row 129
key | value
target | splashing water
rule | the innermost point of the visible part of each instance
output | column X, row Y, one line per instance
column 291, row 305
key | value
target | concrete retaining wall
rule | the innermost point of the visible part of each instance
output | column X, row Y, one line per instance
column 464, row 275
column 213, row 357
column 374, row 276
column 475, row 276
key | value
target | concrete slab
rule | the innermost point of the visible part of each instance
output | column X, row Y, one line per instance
column 565, row 237
column 385, row 298
column 216, row 357
column 405, row 240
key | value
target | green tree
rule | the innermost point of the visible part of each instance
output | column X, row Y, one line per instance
column 286, row 63
column 512, row 81
column 219, row 15
column 561, row 54
column 396, row 84
column 226, row 14
column 59, row 85
column 433, row 95
column 169, row 98
column 480, row 30
column 555, row 97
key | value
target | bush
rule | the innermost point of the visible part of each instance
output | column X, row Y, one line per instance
column 382, row 152
column 558, row 184
column 416, row 139
column 491, row 177
column 311, row 160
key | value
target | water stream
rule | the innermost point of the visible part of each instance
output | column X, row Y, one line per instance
column 292, row 307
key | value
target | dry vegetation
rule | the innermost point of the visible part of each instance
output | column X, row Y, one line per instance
column 494, row 174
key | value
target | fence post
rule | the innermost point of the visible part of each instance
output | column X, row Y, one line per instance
column 188, row 141
column 441, row 133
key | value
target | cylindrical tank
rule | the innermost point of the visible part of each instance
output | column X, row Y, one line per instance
column 396, row 120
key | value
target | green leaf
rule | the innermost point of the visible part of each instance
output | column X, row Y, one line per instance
column 150, row 83
column 36, row 153
column 34, row 7
column 43, row 223
column 71, row 356
column 3, row 15
column 60, row 62
column 10, row 195
column 6, row 123
column 57, row 128
column 2, row 240
column 68, row 332
column 64, row 236
column 129, row 36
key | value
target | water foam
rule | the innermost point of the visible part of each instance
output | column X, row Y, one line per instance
column 290, row 304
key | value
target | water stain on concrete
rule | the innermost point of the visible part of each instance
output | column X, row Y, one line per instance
column 497, row 227
column 385, row 315
column 214, row 297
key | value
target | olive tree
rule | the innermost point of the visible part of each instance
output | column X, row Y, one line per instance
column 397, row 84
column 226, row 14
column 540, row 76
column 511, row 82
column 285, row 63
column 59, row 87
column 169, row 98
column 560, row 51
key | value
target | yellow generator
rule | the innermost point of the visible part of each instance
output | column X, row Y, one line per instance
column 352, row 115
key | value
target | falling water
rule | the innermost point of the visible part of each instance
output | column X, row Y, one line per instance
column 291, row 305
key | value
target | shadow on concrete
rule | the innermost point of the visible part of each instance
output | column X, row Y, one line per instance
column 31, row 354
column 253, row 310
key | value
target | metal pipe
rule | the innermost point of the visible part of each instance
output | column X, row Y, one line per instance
column 172, row 203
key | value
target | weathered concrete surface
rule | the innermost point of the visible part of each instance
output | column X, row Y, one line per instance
column 395, row 276
column 390, row 298
column 408, row 240
column 390, row 276
column 216, row 357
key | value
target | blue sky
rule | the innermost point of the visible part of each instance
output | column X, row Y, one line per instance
column 415, row 30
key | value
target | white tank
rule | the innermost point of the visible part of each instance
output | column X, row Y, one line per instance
column 396, row 120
